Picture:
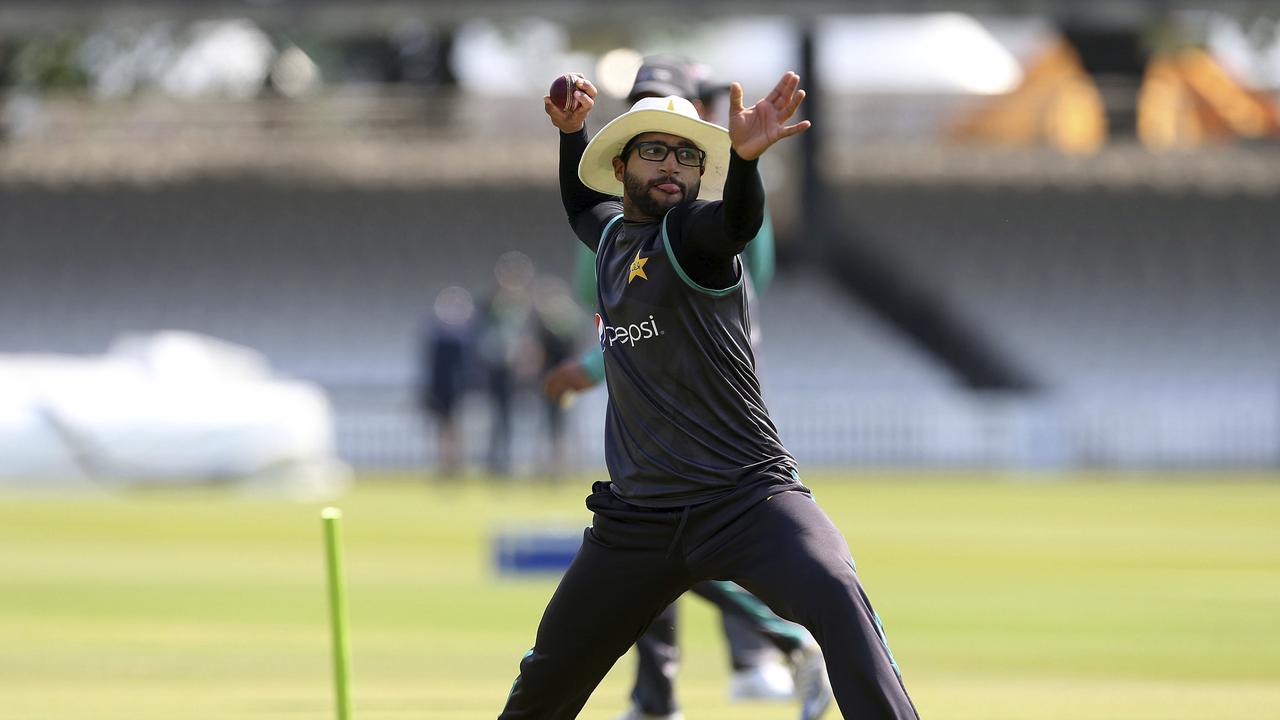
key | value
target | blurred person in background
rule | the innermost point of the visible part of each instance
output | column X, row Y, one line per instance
column 758, row 640
column 509, row 350
column 558, row 321
column 445, row 355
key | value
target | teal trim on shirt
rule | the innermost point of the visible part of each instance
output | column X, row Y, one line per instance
column 607, row 227
column 759, row 263
column 759, row 259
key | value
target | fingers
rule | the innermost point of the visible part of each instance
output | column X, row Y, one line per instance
column 577, row 117
column 567, row 122
column 753, row 130
column 781, row 94
column 788, row 85
column 581, row 83
column 787, row 97
column 735, row 98
column 796, row 129
column 786, row 112
column 776, row 93
column 555, row 112
column 584, row 94
column 585, row 102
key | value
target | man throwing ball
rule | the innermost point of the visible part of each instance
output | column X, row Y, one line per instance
column 700, row 485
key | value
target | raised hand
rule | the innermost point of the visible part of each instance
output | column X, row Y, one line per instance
column 572, row 121
column 753, row 129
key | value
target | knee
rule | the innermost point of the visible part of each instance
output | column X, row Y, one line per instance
column 831, row 597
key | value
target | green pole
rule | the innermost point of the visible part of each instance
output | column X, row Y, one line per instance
column 331, row 518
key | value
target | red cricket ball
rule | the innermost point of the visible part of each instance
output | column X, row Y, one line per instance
column 562, row 90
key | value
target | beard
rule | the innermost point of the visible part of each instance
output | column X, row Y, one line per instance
column 639, row 194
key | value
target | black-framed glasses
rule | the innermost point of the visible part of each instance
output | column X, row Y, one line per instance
column 655, row 151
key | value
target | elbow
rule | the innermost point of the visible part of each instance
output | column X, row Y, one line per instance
column 741, row 233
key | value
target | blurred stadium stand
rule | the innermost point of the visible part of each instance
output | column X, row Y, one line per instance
column 1128, row 304
column 1137, row 289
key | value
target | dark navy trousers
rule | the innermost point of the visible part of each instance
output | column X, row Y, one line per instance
column 635, row 561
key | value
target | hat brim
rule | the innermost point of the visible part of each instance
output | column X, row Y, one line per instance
column 595, row 170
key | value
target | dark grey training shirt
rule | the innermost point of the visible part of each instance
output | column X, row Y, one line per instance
column 686, row 422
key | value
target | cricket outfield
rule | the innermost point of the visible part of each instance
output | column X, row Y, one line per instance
column 1005, row 598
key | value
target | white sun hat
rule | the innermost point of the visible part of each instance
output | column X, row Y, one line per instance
column 672, row 115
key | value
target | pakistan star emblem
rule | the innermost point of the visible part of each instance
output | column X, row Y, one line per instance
column 637, row 268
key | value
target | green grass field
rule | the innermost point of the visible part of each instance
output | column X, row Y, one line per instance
column 1040, row 599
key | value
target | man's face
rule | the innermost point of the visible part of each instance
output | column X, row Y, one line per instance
column 654, row 187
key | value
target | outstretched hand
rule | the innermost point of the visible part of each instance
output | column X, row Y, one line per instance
column 572, row 121
column 752, row 130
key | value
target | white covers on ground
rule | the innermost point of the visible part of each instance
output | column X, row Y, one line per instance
column 164, row 409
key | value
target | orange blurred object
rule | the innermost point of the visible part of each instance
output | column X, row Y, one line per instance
column 1057, row 104
column 1188, row 99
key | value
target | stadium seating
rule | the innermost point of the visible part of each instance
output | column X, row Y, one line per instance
column 1097, row 291
column 1147, row 316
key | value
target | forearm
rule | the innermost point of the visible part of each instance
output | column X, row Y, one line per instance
column 743, row 201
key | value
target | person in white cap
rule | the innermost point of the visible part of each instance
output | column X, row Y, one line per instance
column 700, row 485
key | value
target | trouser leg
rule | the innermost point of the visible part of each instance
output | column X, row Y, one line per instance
column 657, row 661
column 620, row 579
column 501, row 394
column 747, row 648
column 788, row 553
column 751, row 628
